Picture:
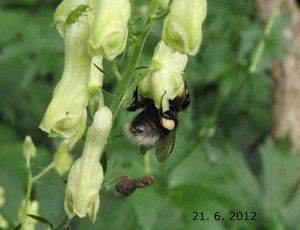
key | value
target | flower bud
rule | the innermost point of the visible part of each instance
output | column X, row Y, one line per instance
column 86, row 175
column 2, row 199
column 163, row 4
column 66, row 115
column 62, row 158
column 29, row 150
column 183, row 26
column 3, row 222
column 28, row 223
column 109, row 28
column 165, row 79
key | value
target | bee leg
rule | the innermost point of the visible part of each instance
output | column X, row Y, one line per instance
column 187, row 100
column 168, row 120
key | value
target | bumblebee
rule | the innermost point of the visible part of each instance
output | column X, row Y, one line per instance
column 153, row 128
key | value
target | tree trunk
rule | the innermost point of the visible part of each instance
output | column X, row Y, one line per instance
column 286, row 75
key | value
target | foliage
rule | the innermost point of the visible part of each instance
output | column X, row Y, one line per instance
column 223, row 159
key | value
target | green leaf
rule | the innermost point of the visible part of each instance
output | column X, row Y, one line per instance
column 41, row 220
column 147, row 203
column 280, row 178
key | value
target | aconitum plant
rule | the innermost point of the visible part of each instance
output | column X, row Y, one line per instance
column 94, row 31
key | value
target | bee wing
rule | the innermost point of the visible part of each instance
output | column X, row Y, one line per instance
column 165, row 146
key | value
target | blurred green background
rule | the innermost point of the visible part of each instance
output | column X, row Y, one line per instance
column 224, row 159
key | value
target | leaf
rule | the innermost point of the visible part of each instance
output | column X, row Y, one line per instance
column 280, row 178
column 41, row 220
column 147, row 204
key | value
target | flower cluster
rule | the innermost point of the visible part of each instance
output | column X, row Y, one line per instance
column 94, row 30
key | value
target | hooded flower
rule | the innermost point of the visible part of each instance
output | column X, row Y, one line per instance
column 66, row 114
column 183, row 26
column 109, row 28
column 86, row 175
column 165, row 79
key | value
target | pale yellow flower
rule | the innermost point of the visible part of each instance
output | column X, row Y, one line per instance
column 86, row 175
column 166, row 77
column 109, row 27
column 66, row 114
column 183, row 26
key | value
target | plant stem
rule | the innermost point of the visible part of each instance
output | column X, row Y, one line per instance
column 106, row 186
column 134, row 60
column 262, row 43
column 61, row 223
column 27, row 199
column 116, row 71
column 31, row 180
column 43, row 172
column 147, row 164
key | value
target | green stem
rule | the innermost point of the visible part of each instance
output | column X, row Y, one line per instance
column 115, row 70
column 136, row 81
column 43, row 172
column 107, row 185
column 147, row 164
column 27, row 199
column 31, row 180
column 262, row 43
column 61, row 223
column 134, row 59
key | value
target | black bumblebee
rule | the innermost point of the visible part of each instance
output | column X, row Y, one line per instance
column 154, row 128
